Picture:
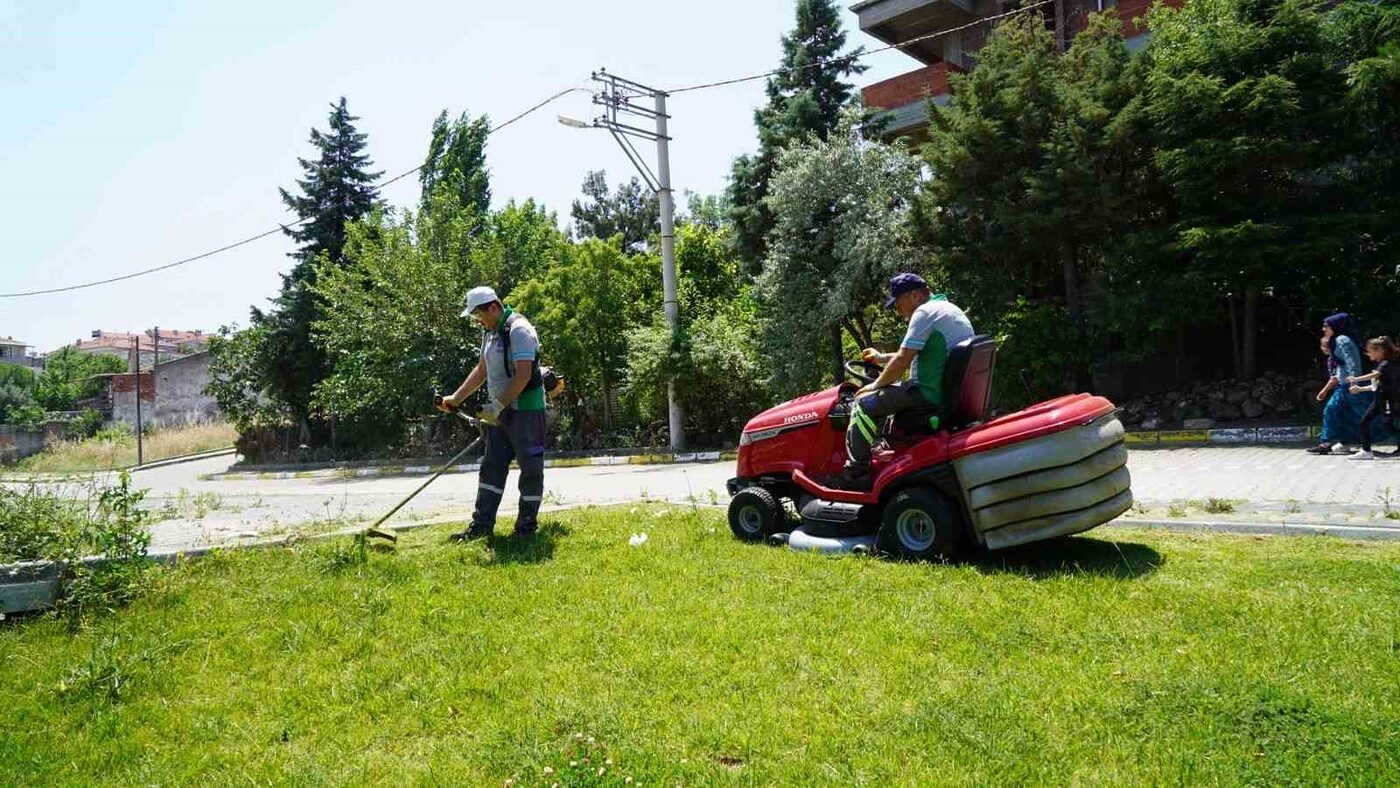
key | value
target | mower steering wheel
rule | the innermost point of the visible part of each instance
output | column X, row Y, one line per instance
column 863, row 371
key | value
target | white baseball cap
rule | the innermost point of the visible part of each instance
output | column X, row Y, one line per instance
column 477, row 297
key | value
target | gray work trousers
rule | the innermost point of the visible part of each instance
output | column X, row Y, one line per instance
column 868, row 414
column 517, row 435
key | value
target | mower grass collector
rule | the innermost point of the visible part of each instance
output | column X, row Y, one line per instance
column 1053, row 469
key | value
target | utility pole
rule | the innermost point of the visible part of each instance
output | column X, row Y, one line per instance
column 139, row 458
column 619, row 98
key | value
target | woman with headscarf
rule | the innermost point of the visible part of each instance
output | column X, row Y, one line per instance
column 1341, row 416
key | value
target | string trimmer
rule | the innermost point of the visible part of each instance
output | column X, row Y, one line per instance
column 379, row 533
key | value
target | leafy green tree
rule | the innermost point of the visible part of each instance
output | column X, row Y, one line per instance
column 1247, row 102
column 15, row 375
column 239, row 380
column 1039, row 166
column 707, row 270
column 457, row 161
column 716, row 349
column 718, row 370
column 16, row 392
column 805, row 99
column 522, row 242
column 841, row 208
column 1366, row 38
column 632, row 213
column 69, row 376
column 393, row 343
column 337, row 188
column 583, row 308
column 709, row 210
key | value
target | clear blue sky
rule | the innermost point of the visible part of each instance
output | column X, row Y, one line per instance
column 139, row 133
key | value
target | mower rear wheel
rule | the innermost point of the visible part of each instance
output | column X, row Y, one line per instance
column 754, row 514
column 920, row 523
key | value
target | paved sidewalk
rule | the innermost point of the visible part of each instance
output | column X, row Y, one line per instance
column 1266, row 483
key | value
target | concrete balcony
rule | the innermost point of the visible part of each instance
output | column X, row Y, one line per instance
column 905, row 98
column 898, row 21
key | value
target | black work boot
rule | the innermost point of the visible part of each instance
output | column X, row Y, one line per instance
column 471, row 534
column 525, row 530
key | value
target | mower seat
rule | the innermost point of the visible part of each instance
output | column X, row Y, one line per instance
column 967, row 388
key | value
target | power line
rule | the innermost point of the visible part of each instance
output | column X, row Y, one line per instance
column 551, row 99
column 858, row 55
column 280, row 228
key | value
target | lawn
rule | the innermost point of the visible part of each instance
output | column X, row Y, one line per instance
column 1128, row 656
column 112, row 450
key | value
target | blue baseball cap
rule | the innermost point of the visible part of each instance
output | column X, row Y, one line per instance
column 904, row 283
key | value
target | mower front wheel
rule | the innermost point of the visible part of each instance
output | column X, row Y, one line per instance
column 920, row 523
column 754, row 514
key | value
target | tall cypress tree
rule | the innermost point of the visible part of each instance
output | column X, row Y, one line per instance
column 336, row 188
column 804, row 100
column 457, row 161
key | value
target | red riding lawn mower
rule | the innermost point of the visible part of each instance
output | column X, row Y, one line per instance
column 1053, row 469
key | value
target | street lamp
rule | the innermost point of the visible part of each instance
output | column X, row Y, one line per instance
column 616, row 98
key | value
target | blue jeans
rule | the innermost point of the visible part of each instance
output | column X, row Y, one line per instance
column 519, row 436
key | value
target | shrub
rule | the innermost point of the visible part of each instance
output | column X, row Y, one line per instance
column 84, row 426
column 40, row 525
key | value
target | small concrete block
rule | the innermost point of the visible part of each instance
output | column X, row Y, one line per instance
column 1283, row 434
column 1233, row 435
column 1183, row 436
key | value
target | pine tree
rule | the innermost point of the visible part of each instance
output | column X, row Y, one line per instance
column 804, row 101
column 632, row 212
column 337, row 188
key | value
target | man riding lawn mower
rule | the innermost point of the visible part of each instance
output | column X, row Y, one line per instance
column 922, row 475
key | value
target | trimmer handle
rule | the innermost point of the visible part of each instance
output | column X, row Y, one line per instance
column 440, row 404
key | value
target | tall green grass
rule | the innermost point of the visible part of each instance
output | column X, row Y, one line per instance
column 1120, row 657
column 115, row 448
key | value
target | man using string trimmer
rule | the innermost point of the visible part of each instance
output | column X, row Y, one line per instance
column 514, row 413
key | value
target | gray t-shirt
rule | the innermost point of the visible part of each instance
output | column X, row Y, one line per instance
column 524, row 344
column 935, row 328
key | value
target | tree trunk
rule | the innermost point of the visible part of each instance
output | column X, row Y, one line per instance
column 838, row 371
column 1249, row 345
column 859, row 332
column 1074, row 303
column 1060, row 31
column 607, row 403
column 1235, row 337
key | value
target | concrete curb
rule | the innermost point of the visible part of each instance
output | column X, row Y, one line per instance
column 1235, row 436
column 206, row 455
column 64, row 476
column 420, row 470
column 1379, row 532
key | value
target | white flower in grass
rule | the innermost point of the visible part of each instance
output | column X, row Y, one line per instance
column 638, row 540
